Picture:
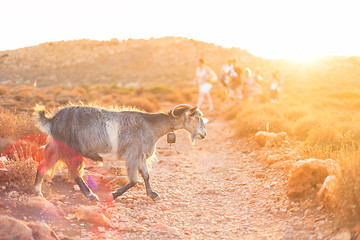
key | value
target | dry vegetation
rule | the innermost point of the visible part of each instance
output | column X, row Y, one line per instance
column 317, row 108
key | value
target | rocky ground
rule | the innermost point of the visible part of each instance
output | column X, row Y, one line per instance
column 215, row 189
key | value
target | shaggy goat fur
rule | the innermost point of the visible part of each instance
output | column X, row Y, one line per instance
column 94, row 133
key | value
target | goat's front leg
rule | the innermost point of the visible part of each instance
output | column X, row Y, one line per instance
column 85, row 189
column 118, row 192
column 132, row 173
column 145, row 174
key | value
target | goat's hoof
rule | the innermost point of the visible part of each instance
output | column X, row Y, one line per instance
column 93, row 196
column 37, row 193
column 115, row 195
column 155, row 197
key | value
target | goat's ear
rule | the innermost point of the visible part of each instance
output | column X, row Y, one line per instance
column 205, row 120
column 193, row 110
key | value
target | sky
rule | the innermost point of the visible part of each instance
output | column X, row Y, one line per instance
column 293, row 29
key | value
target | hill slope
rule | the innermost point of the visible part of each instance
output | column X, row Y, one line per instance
column 146, row 62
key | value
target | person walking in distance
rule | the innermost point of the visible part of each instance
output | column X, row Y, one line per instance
column 204, row 78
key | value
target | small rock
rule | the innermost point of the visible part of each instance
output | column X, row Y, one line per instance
column 163, row 207
column 345, row 234
column 307, row 174
column 259, row 175
column 260, row 138
column 92, row 214
column 42, row 231
column 11, row 228
column 269, row 139
column 13, row 194
column 71, row 216
column 76, row 188
column 45, row 206
column 284, row 210
column 327, row 192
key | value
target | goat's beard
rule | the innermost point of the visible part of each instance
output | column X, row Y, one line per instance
column 192, row 138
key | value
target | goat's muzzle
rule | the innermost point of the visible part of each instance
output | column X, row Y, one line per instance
column 202, row 135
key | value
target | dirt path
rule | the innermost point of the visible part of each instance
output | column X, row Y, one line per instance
column 215, row 190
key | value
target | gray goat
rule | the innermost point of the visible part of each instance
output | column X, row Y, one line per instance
column 95, row 133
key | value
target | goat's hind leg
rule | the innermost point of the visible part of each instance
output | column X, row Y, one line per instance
column 50, row 159
column 76, row 165
column 85, row 189
column 145, row 174
column 38, row 182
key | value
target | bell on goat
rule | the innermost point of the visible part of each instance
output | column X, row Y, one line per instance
column 171, row 137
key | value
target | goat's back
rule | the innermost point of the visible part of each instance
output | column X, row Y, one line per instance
column 92, row 130
column 79, row 127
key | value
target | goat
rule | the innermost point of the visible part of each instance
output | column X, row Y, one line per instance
column 94, row 133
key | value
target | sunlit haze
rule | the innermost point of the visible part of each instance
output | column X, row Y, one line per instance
column 269, row 29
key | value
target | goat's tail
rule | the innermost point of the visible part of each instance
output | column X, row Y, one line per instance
column 42, row 121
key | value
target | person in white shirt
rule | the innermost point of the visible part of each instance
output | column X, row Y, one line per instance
column 203, row 78
column 226, row 70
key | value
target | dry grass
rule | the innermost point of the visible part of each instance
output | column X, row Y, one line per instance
column 142, row 104
column 4, row 90
column 15, row 126
column 348, row 189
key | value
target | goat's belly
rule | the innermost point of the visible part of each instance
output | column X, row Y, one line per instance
column 110, row 155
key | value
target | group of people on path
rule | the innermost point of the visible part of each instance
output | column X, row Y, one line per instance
column 237, row 84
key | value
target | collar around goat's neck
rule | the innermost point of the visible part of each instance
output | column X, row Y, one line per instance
column 172, row 126
column 176, row 124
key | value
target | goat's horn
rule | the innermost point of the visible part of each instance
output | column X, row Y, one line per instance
column 178, row 106
column 193, row 110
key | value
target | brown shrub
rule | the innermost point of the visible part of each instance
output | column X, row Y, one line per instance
column 40, row 96
column 4, row 90
column 175, row 98
column 108, row 99
column 160, row 92
column 348, row 190
column 22, row 94
column 20, row 174
column 188, row 95
column 51, row 105
column 55, row 90
column 79, row 92
column 142, row 104
column 16, row 125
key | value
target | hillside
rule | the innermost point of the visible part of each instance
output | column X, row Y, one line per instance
column 168, row 61
column 145, row 62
